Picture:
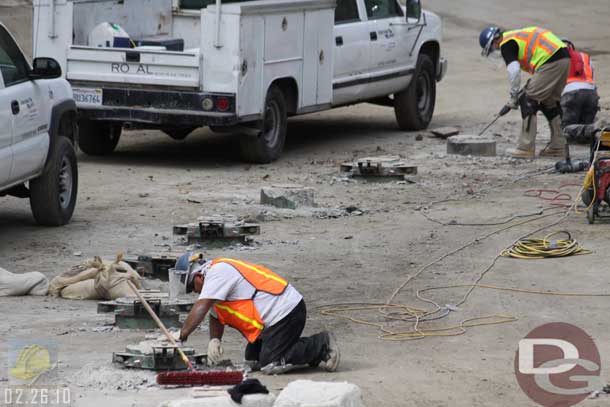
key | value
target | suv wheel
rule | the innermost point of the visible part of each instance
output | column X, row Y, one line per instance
column 98, row 138
column 53, row 194
column 414, row 106
column 269, row 143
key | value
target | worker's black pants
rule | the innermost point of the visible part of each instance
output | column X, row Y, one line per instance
column 282, row 342
column 579, row 107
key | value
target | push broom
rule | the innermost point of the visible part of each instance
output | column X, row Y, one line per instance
column 191, row 377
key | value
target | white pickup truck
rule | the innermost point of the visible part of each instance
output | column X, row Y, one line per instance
column 37, row 134
column 238, row 66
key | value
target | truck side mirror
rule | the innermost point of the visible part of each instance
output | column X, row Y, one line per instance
column 413, row 11
column 45, row 68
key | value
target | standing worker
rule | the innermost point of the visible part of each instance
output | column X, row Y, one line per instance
column 579, row 101
column 543, row 55
column 267, row 310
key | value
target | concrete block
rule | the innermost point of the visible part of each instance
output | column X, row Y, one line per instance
column 287, row 196
column 307, row 393
column 471, row 145
column 445, row 132
column 250, row 400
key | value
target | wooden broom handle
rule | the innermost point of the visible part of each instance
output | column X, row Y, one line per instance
column 159, row 323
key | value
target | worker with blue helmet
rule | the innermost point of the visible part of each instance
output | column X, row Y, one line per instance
column 544, row 56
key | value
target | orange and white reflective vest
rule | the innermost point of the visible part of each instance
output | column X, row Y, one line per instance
column 581, row 69
column 242, row 314
column 536, row 46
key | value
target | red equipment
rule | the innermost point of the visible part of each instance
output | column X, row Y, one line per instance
column 596, row 194
column 193, row 378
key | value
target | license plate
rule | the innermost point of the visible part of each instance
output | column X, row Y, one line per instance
column 87, row 96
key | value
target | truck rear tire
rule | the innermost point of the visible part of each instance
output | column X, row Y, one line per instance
column 98, row 138
column 414, row 106
column 267, row 146
column 53, row 194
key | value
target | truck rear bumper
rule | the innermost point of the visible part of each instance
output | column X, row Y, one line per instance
column 159, row 107
column 157, row 117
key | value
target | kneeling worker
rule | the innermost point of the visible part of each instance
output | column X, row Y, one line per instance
column 579, row 101
column 267, row 310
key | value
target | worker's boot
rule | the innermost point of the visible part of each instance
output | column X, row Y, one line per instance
column 556, row 148
column 526, row 146
column 333, row 356
column 280, row 367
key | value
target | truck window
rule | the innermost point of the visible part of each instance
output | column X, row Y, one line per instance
column 377, row 9
column 13, row 66
column 346, row 12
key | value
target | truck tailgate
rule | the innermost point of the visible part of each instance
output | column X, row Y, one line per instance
column 142, row 67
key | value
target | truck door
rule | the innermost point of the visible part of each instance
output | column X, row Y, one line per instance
column 352, row 52
column 6, row 120
column 391, row 65
column 30, row 137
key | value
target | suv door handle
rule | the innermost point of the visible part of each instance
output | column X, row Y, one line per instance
column 373, row 35
column 15, row 107
column 339, row 41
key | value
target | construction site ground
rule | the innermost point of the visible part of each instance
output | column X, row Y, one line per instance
column 129, row 201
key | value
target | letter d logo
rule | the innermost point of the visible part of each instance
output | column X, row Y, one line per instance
column 527, row 348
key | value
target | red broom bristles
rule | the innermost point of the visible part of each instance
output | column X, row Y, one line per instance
column 190, row 378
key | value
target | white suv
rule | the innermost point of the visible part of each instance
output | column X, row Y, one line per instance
column 37, row 134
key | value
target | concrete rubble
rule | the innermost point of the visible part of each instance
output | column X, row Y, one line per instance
column 307, row 393
column 445, row 132
column 471, row 145
column 288, row 196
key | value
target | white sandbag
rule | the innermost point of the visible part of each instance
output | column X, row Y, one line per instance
column 111, row 282
column 33, row 283
column 82, row 272
column 307, row 393
column 83, row 290
column 96, row 280
column 250, row 400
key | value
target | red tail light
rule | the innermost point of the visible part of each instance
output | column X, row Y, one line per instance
column 223, row 104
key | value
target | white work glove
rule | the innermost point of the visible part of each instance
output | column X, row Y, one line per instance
column 214, row 351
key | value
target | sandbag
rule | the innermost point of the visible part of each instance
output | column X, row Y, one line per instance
column 33, row 283
column 96, row 280
column 82, row 290
column 82, row 272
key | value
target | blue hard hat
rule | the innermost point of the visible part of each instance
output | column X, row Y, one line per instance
column 486, row 39
column 183, row 261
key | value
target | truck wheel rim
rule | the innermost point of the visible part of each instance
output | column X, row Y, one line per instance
column 423, row 93
column 65, row 183
column 272, row 119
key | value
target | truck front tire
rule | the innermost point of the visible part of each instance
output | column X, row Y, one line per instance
column 98, row 138
column 414, row 106
column 267, row 146
column 53, row 194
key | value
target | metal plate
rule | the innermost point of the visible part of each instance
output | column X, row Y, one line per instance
column 382, row 166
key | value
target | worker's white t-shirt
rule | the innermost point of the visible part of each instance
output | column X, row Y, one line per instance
column 224, row 283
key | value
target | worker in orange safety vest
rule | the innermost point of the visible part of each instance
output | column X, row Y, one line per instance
column 545, row 57
column 579, row 100
column 267, row 310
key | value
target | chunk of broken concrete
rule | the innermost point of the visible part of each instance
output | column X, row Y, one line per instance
column 287, row 196
column 306, row 393
column 445, row 132
column 471, row 145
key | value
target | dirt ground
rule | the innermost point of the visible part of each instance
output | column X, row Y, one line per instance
column 129, row 202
